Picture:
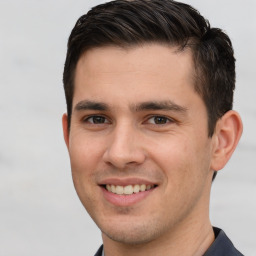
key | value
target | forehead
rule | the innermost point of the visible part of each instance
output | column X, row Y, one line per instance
column 146, row 71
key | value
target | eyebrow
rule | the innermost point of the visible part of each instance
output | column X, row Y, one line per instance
column 160, row 105
column 149, row 105
column 91, row 105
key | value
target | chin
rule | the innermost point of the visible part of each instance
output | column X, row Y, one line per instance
column 132, row 234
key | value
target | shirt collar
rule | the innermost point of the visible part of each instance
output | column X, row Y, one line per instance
column 222, row 246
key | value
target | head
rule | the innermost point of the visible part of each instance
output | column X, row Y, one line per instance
column 130, row 23
column 149, row 86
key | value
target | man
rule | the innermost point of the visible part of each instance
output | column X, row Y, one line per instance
column 149, row 90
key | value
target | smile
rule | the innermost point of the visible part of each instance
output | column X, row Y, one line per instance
column 129, row 189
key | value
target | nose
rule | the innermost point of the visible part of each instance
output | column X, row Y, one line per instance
column 124, row 148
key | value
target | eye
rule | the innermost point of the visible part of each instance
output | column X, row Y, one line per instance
column 96, row 120
column 159, row 120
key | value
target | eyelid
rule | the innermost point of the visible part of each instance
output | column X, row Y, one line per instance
column 107, row 120
column 86, row 118
column 169, row 120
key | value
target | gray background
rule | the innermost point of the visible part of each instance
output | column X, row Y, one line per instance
column 40, row 213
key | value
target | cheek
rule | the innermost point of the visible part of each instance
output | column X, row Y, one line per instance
column 85, row 157
column 171, row 153
column 185, row 166
column 182, row 159
column 85, row 153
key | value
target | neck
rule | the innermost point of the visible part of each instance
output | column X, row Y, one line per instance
column 192, row 240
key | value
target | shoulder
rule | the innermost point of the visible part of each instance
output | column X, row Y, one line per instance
column 99, row 252
column 222, row 246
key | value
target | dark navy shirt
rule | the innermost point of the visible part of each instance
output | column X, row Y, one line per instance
column 221, row 246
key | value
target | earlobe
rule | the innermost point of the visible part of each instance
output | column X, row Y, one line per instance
column 226, row 137
column 65, row 129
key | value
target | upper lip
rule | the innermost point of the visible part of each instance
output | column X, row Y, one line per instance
column 126, row 181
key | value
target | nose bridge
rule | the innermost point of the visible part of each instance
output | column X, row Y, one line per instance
column 124, row 147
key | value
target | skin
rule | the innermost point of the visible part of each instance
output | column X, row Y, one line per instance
column 120, row 138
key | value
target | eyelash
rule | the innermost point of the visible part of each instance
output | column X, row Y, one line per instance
column 93, row 117
column 160, row 118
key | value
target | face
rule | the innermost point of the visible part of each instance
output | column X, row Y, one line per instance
column 139, row 147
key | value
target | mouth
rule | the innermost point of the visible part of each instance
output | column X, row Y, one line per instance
column 127, row 192
column 128, row 189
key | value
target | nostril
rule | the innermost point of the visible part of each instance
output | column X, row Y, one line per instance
column 122, row 152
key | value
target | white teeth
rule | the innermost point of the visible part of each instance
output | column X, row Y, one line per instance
column 113, row 188
column 142, row 187
column 128, row 190
column 136, row 188
column 119, row 190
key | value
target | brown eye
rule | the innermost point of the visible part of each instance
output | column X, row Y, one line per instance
column 96, row 120
column 158, row 120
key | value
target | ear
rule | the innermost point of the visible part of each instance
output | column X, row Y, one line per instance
column 65, row 129
column 225, row 139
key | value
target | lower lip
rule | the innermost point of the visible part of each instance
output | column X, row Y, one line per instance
column 125, row 200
